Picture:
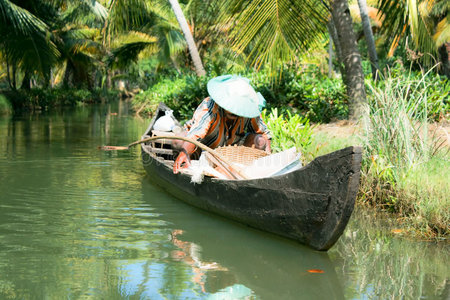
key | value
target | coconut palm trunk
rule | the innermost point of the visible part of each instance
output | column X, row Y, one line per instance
column 188, row 36
column 337, row 47
column 354, row 76
column 444, row 55
column 369, row 37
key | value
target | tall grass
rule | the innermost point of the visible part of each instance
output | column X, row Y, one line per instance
column 398, row 147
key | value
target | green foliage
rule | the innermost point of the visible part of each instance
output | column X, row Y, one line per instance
column 397, row 143
column 182, row 94
column 432, row 207
column 415, row 87
column 49, row 98
column 290, row 130
column 323, row 99
column 25, row 41
column 272, row 31
column 425, row 23
column 318, row 98
column 164, row 91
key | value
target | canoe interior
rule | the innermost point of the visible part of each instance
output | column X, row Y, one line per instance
column 312, row 205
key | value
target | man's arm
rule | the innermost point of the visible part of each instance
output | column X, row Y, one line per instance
column 197, row 129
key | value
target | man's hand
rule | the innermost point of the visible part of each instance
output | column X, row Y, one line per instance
column 268, row 147
column 258, row 141
column 182, row 161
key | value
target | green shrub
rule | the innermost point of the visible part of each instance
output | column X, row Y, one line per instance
column 322, row 99
column 183, row 95
column 164, row 91
column 311, row 94
column 317, row 97
column 288, row 130
column 47, row 98
column 190, row 97
column 397, row 144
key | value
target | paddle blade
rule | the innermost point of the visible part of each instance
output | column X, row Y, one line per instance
column 109, row 148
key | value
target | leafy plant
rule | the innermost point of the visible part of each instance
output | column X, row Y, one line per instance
column 290, row 130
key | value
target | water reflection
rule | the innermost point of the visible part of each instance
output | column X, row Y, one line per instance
column 227, row 257
column 375, row 263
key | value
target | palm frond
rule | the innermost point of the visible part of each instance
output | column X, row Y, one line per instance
column 19, row 20
column 171, row 41
column 97, row 9
column 129, row 46
column 133, row 37
column 127, row 14
column 274, row 30
column 25, row 39
column 442, row 34
column 421, row 19
column 88, row 12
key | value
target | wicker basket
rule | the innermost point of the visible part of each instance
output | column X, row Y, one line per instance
column 240, row 154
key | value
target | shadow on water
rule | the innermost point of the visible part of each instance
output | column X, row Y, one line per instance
column 233, row 258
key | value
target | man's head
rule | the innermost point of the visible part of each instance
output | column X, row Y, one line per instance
column 235, row 94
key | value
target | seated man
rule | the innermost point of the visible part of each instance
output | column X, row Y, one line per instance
column 231, row 115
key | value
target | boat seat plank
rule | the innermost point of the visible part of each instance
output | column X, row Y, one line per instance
column 161, row 151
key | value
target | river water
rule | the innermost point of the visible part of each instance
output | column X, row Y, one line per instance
column 79, row 223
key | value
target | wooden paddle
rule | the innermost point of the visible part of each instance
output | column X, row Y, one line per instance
column 235, row 171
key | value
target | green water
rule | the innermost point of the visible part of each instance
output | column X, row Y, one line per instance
column 79, row 223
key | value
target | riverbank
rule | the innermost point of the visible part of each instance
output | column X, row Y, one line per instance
column 42, row 99
column 418, row 199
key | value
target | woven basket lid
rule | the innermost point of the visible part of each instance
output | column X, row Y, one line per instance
column 240, row 154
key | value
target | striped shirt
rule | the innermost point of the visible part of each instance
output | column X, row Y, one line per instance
column 209, row 126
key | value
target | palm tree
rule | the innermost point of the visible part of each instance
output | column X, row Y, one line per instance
column 425, row 21
column 369, row 37
column 354, row 76
column 48, row 34
column 78, row 39
column 24, row 44
column 189, row 39
column 273, row 31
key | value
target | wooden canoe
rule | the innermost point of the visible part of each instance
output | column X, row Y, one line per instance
column 311, row 205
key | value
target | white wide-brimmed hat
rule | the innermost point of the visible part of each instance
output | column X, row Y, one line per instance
column 236, row 95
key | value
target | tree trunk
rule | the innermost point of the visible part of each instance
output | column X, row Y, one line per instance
column 330, row 58
column 337, row 47
column 26, row 81
column 369, row 38
column 68, row 75
column 444, row 57
column 8, row 75
column 14, row 79
column 188, row 36
column 354, row 77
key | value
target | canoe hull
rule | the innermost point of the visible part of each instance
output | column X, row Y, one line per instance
column 312, row 205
